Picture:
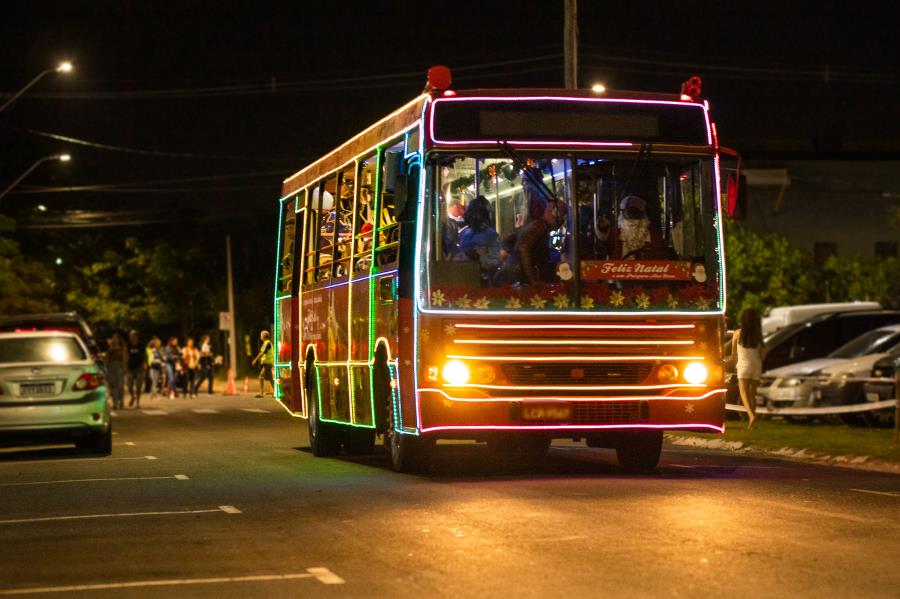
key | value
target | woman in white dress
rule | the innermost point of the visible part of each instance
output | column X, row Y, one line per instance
column 748, row 347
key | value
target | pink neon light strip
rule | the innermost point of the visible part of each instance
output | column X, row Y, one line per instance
column 580, row 387
column 573, row 358
column 712, row 427
column 574, row 326
column 572, row 341
column 557, row 99
column 574, row 399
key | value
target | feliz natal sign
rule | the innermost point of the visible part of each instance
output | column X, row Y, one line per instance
column 640, row 270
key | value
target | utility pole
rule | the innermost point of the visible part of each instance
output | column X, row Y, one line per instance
column 232, row 337
column 570, row 41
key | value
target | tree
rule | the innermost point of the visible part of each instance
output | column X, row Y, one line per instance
column 26, row 285
column 766, row 270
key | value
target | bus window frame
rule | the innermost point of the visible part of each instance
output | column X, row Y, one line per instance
column 335, row 263
column 359, row 257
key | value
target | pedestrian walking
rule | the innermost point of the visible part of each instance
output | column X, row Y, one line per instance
column 266, row 360
column 206, row 366
column 749, row 349
column 172, row 359
column 137, row 369
column 190, row 362
column 116, row 362
column 155, row 361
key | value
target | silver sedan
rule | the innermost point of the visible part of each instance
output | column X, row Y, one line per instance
column 51, row 388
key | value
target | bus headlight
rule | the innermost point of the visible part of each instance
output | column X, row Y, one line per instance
column 695, row 373
column 667, row 373
column 456, row 373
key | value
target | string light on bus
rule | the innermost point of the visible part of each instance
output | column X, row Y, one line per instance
column 556, row 398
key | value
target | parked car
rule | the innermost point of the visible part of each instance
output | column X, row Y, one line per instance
column 874, row 389
column 813, row 338
column 782, row 316
column 52, row 389
column 829, row 380
column 71, row 322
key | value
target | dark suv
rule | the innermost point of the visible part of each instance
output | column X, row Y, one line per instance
column 70, row 322
column 811, row 339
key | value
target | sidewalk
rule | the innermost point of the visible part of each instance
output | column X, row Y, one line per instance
column 833, row 445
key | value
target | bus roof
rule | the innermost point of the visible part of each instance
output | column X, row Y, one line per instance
column 410, row 113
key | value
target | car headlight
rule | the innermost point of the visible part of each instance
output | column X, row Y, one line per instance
column 791, row 382
column 695, row 373
column 456, row 372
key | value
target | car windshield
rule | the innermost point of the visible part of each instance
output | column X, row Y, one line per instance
column 873, row 342
column 526, row 232
column 40, row 349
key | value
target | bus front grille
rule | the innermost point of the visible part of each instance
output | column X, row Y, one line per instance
column 576, row 374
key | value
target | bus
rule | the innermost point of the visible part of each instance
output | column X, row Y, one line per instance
column 508, row 266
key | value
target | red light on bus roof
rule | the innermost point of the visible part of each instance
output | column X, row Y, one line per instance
column 439, row 77
column 690, row 89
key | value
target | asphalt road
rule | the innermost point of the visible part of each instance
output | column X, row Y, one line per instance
column 220, row 497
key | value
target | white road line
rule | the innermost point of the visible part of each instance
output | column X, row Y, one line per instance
column 889, row 494
column 155, row 412
column 325, row 576
column 98, row 459
column 153, row 583
column 205, row 411
column 255, row 410
column 129, row 443
column 228, row 509
column 93, row 480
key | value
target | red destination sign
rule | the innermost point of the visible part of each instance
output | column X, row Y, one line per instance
column 635, row 270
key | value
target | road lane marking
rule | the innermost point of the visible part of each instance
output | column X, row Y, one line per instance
column 205, row 411
column 876, row 492
column 99, row 459
column 255, row 410
column 325, row 576
column 228, row 509
column 130, row 443
column 155, row 583
column 93, row 480
column 155, row 412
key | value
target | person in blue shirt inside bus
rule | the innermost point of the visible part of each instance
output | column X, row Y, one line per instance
column 478, row 240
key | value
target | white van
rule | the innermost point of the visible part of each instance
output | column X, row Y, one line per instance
column 784, row 315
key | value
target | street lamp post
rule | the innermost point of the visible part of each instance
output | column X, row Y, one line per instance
column 63, row 67
column 60, row 157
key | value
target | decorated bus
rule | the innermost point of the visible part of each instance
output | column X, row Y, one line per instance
column 508, row 266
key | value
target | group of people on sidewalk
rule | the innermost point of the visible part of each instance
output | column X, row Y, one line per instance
column 157, row 368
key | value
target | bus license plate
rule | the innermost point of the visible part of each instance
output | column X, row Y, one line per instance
column 546, row 412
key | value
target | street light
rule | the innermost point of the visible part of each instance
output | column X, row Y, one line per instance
column 60, row 157
column 63, row 67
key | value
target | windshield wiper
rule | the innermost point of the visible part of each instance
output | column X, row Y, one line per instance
column 520, row 163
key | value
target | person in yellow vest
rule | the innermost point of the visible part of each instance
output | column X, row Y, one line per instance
column 266, row 359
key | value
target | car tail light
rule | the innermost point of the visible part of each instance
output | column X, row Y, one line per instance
column 88, row 381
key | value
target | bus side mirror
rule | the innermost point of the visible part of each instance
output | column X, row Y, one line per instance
column 736, row 196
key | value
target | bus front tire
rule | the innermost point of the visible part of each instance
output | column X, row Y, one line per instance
column 640, row 452
column 324, row 437
column 410, row 453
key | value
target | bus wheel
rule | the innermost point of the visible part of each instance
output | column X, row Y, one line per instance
column 410, row 453
column 360, row 441
column 639, row 452
column 324, row 438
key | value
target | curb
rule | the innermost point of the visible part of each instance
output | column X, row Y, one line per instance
column 790, row 453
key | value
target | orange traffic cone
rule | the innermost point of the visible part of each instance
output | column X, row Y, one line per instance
column 246, row 384
column 229, row 385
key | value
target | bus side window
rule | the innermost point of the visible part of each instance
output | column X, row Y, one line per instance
column 365, row 214
column 306, row 253
column 388, row 229
column 344, row 221
column 286, row 255
column 324, row 202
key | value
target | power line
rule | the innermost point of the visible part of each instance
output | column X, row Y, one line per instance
column 145, row 152
column 133, row 184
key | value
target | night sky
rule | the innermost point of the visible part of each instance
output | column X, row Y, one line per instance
column 211, row 104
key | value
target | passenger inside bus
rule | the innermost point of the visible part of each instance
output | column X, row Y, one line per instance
column 531, row 261
column 478, row 240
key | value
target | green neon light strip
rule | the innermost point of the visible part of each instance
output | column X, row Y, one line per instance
column 332, row 421
column 379, row 161
column 277, row 387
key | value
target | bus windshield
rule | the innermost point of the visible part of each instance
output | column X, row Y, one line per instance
column 511, row 231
